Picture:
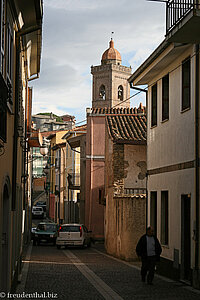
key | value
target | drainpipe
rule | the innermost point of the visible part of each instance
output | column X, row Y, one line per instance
column 16, row 120
column 144, row 91
column 59, row 183
column 197, row 158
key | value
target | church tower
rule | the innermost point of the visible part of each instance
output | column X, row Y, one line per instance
column 110, row 85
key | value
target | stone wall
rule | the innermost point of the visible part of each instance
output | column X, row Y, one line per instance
column 125, row 215
column 126, row 226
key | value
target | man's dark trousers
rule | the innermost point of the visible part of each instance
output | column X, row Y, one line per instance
column 148, row 265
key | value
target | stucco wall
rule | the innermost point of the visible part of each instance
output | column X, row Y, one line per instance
column 176, row 183
column 125, row 226
column 172, row 141
column 169, row 144
column 95, row 155
column 135, row 166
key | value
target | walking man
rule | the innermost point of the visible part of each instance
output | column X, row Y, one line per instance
column 149, row 249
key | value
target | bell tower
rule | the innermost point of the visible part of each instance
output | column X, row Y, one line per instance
column 110, row 84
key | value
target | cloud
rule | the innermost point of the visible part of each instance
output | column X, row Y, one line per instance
column 75, row 35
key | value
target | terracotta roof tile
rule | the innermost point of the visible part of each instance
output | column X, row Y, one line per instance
column 106, row 110
column 127, row 128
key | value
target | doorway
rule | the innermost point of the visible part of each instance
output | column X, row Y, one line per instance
column 186, row 237
column 5, row 240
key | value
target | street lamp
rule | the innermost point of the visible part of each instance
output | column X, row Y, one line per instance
column 44, row 149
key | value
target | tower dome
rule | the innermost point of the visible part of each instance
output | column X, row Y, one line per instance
column 111, row 55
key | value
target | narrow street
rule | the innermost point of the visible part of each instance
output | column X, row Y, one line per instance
column 75, row 273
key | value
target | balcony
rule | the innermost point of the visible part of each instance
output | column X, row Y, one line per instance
column 134, row 191
column 73, row 181
column 183, row 21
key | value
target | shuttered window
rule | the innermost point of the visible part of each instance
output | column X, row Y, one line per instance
column 165, row 98
column 154, row 105
column 186, row 84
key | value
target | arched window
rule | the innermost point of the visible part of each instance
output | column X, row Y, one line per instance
column 102, row 92
column 120, row 92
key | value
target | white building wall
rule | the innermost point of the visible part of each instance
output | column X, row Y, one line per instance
column 169, row 143
column 176, row 183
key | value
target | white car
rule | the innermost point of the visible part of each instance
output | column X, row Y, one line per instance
column 73, row 235
column 37, row 212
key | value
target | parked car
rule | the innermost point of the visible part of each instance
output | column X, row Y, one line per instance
column 42, row 204
column 73, row 235
column 33, row 229
column 37, row 212
column 45, row 232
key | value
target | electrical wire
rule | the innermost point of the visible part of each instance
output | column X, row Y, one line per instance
column 147, row 86
column 117, row 104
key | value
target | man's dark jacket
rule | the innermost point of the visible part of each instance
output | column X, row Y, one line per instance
column 141, row 247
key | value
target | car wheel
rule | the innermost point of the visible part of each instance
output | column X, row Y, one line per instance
column 83, row 246
column 89, row 244
column 58, row 246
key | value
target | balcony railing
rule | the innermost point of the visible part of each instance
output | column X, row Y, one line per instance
column 134, row 191
column 177, row 10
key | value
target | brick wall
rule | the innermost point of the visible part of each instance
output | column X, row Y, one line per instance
column 118, row 168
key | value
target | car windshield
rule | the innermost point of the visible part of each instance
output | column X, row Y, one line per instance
column 47, row 227
column 70, row 229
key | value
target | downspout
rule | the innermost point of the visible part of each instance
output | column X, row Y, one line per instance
column 197, row 158
column 144, row 91
column 59, row 183
column 16, row 120
column 74, row 180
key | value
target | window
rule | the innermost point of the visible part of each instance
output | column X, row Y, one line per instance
column 9, row 52
column 165, row 98
column 102, row 92
column 120, row 92
column 153, row 211
column 154, row 105
column 164, row 217
column 9, row 61
column 186, row 84
column 71, row 228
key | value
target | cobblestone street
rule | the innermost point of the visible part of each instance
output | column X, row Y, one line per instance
column 90, row 273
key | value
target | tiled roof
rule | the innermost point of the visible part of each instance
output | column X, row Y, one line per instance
column 127, row 128
column 106, row 110
column 80, row 128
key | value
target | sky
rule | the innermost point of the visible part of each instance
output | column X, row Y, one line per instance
column 75, row 35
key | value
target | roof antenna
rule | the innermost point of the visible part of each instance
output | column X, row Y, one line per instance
column 112, row 34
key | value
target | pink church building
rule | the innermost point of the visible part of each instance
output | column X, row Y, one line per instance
column 110, row 95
